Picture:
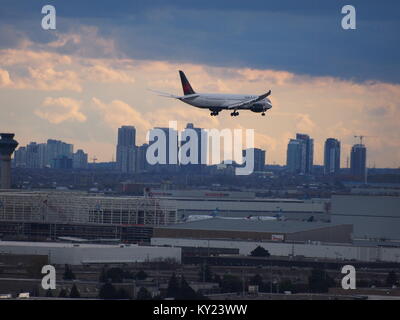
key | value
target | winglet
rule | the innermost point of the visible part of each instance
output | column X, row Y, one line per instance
column 187, row 88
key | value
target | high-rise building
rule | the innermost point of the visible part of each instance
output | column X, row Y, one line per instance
column 41, row 155
column 80, row 160
column 295, row 159
column 200, row 143
column 309, row 151
column 166, row 152
column 126, row 149
column 141, row 161
column 358, row 160
column 57, row 150
column 332, row 156
column 259, row 158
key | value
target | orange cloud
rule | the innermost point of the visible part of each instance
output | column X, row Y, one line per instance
column 58, row 110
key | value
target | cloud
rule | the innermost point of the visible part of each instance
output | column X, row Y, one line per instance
column 119, row 113
column 102, row 73
column 5, row 80
column 58, row 110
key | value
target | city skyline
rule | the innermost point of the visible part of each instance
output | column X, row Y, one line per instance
column 82, row 90
column 132, row 158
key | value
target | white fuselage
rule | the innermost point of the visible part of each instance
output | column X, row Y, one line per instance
column 220, row 101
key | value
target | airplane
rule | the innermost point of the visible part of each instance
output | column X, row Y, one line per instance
column 197, row 217
column 216, row 102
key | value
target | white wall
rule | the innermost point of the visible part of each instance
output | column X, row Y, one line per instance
column 74, row 255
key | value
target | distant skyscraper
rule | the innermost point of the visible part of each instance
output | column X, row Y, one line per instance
column 295, row 159
column 126, row 149
column 358, row 160
column 171, row 151
column 259, row 159
column 80, row 160
column 58, row 150
column 309, row 151
column 201, row 146
column 141, row 161
column 332, row 156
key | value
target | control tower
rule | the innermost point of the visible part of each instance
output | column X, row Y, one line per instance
column 7, row 147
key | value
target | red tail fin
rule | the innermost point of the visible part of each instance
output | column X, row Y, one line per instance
column 187, row 88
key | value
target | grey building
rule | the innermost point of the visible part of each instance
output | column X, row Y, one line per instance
column 372, row 217
column 259, row 158
column 358, row 160
column 295, row 158
column 126, row 149
column 198, row 141
column 80, row 160
column 332, row 156
column 309, row 151
column 165, row 150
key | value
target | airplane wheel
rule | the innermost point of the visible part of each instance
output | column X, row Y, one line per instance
column 263, row 114
column 232, row 114
column 236, row 114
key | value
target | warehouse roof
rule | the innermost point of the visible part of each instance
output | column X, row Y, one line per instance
column 250, row 225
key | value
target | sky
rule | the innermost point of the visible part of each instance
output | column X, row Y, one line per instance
column 82, row 81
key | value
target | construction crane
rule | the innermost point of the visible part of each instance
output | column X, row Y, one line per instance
column 362, row 137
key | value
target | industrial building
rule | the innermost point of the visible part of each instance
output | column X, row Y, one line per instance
column 241, row 204
column 374, row 217
column 257, row 230
column 313, row 250
column 76, row 254
column 49, row 215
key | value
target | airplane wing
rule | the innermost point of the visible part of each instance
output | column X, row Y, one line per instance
column 249, row 102
column 168, row 95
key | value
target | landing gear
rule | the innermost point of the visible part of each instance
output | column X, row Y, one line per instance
column 263, row 114
column 234, row 114
column 214, row 113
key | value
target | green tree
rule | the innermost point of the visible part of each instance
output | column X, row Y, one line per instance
column 260, row 252
column 141, row 275
column 186, row 292
column 256, row 280
column 231, row 283
column 319, row 281
column 173, row 287
column 108, row 292
column 103, row 275
column 74, row 292
column 123, row 294
column 205, row 273
column 391, row 279
column 63, row 293
column 68, row 274
column 116, row 275
column 143, row 294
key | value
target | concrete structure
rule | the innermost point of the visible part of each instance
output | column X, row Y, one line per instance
column 309, row 250
column 80, row 160
column 241, row 204
column 242, row 229
column 295, row 161
column 126, row 149
column 332, row 156
column 373, row 217
column 358, row 161
column 54, row 214
column 195, row 138
column 76, row 254
column 7, row 147
column 259, row 158
column 309, row 151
